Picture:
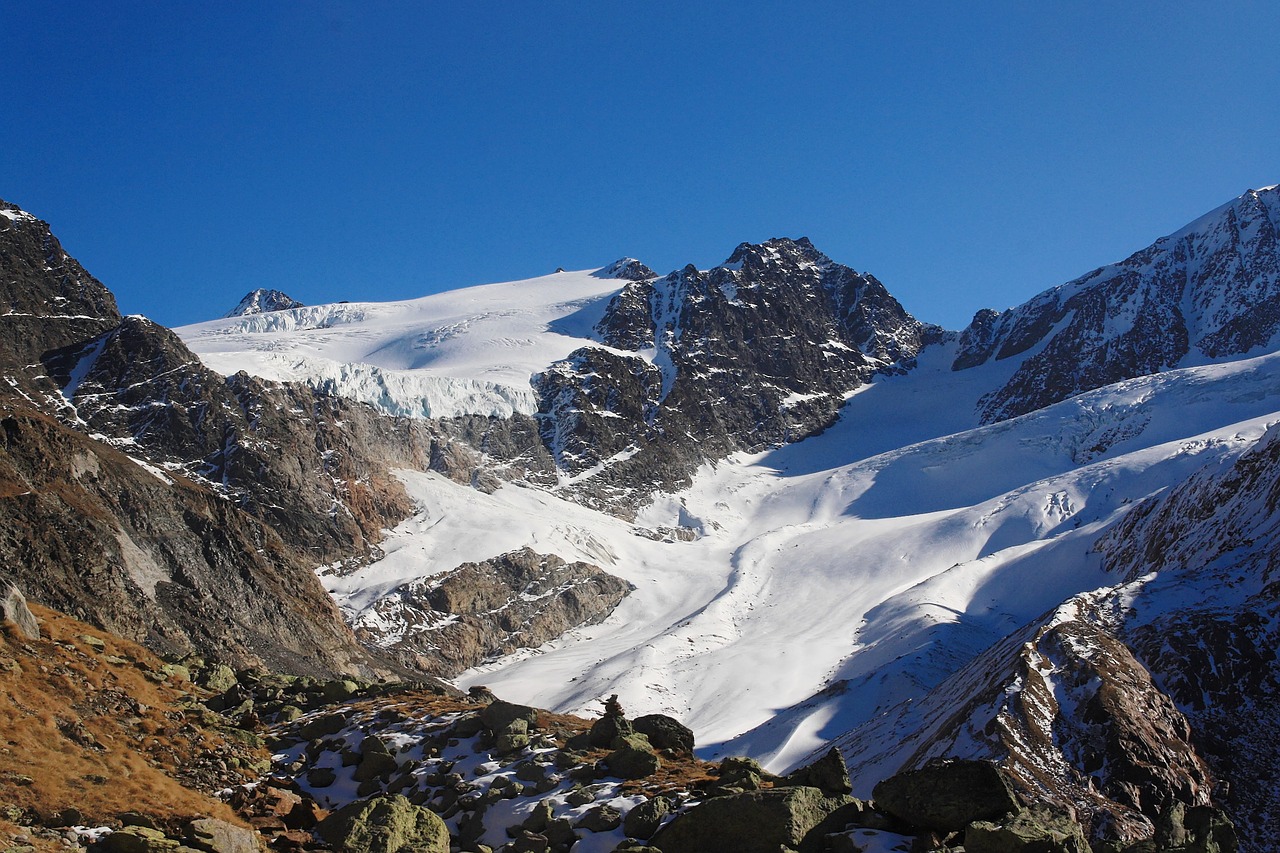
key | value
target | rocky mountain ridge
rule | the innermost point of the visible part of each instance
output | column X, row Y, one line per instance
column 1208, row 292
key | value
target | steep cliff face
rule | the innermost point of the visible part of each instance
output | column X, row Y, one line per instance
column 697, row 365
column 1209, row 291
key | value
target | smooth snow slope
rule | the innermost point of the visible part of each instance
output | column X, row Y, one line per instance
column 465, row 351
column 839, row 576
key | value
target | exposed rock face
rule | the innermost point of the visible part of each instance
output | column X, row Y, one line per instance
column 700, row 364
column 1209, row 291
column 522, row 599
column 263, row 300
column 48, row 299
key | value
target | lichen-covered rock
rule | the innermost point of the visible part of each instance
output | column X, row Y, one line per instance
column 947, row 795
column 385, row 825
column 753, row 822
column 1038, row 830
column 633, row 757
column 141, row 839
column 643, row 820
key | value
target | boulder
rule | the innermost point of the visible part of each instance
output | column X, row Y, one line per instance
column 633, row 757
column 498, row 716
column 643, row 820
column 385, row 825
column 218, row 836
column 513, row 738
column 751, row 822
column 376, row 760
column 828, row 773
column 948, row 795
column 738, row 774
column 665, row 732
column 13, row 608
column 140, row 839
column 602, row 818
column 219, row 678
column 1196, row 829
column 1038, row 830
column 328, row 724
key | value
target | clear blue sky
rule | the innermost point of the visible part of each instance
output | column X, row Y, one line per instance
column 969, row 155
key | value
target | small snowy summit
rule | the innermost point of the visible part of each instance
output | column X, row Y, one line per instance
column 262, row 301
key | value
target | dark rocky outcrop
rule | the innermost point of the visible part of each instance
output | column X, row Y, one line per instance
column 755, row 353
column 151, row 496
column 665, row 732
column 1028, row 831
column 517, row 600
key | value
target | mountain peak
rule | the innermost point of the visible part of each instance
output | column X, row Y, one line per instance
column 261, row 301
column 775, row 249
column 627, row 268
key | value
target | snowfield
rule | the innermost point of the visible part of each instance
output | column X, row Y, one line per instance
column 468, row 351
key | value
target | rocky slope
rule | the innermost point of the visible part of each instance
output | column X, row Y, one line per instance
column 1148, row 693
column 450, row 622
column 150, row 495
column 697, row 365
column 1210, row 291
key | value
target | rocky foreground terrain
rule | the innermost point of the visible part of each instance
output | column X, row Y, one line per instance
column 110, row 748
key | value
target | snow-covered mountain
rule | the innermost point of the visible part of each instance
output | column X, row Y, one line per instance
column 773, row 504
column 953, row 491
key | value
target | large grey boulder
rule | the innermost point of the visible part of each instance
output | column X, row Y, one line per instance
column 13, row 608
column 385, row 824
column 218, row 836
column 948, row 795
column 751, row 822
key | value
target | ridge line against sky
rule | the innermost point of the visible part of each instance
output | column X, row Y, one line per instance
column 187, row 154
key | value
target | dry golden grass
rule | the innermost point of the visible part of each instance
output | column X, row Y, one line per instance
column 70, row 736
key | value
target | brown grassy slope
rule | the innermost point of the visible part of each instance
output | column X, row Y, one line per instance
column 83, row 725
